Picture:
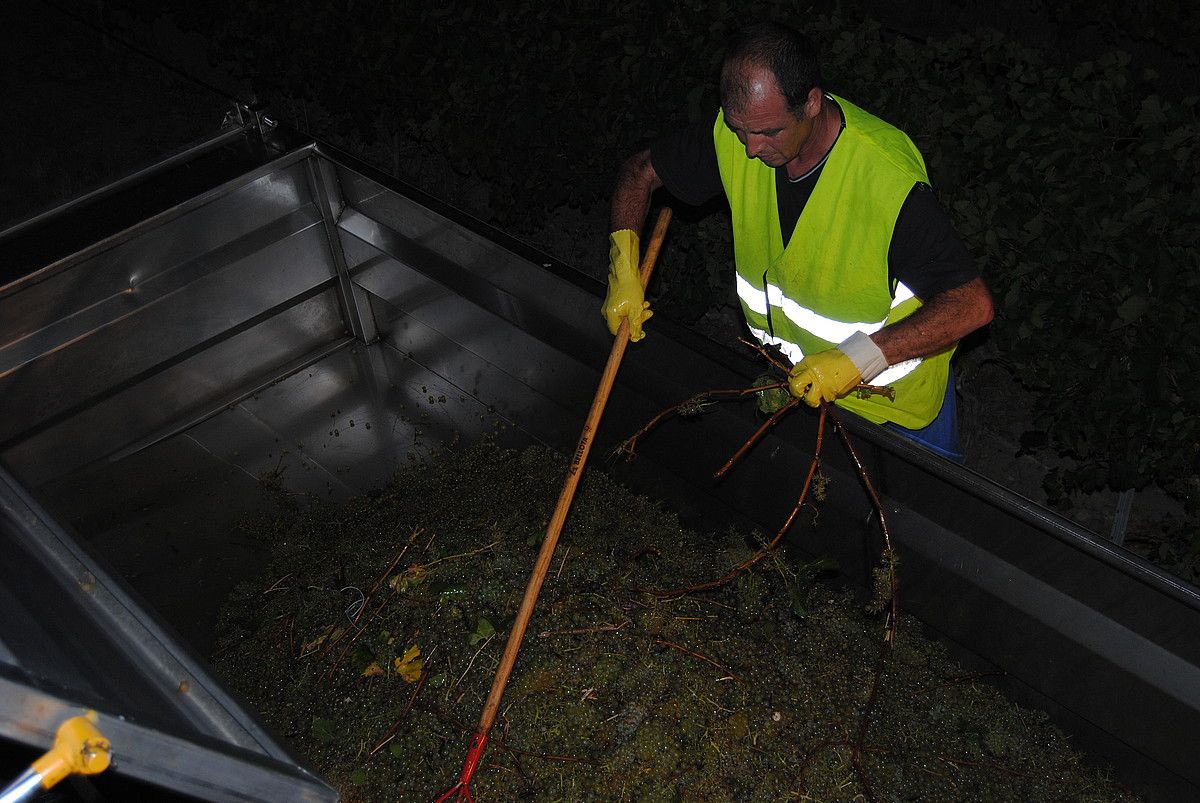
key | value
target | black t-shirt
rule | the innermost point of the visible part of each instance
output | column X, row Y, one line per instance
column 926, row 254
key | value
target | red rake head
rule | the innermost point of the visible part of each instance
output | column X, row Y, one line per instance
column 462, row 789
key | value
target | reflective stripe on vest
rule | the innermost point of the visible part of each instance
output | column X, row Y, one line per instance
column 807, row 319
column 796, row 354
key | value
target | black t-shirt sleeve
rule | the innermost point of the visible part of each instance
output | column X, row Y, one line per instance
column 686, row 161
column 926, row 253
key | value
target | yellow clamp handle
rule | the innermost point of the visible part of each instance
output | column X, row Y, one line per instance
column 79, row 747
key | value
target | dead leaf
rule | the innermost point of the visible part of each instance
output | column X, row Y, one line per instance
column 373, row 670
column 409, row 666
column 309, row 646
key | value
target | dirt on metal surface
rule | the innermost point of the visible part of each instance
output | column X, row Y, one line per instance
column 372, row 642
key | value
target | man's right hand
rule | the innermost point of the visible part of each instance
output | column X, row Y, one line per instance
column 625, row 298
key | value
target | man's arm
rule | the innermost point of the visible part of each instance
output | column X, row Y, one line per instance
column 636, row 182
column 626, row 299
column 942, row 321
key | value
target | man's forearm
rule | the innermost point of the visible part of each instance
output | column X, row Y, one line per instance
column 631, row 197
column 941, row 322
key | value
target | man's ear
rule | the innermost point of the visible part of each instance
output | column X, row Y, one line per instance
column 812, row 104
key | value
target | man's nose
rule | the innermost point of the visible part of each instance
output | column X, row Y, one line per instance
column 754, row 146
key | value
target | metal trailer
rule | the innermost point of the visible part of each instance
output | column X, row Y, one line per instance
column 221, row 316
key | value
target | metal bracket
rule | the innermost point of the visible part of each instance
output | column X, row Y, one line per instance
column 251, row 117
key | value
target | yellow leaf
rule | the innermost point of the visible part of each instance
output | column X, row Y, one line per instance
column 373, row 670
column 410, row 665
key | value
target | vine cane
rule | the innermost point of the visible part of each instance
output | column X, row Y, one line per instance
column 462, row 789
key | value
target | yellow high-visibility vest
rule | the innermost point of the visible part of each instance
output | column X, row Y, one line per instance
column 832, row 279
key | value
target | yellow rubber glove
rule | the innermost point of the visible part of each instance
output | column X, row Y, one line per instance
column 829, row 375
column 823, row 377
column 625, row 295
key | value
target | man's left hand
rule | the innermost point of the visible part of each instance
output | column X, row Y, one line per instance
column 829, row 375
column 823, row 377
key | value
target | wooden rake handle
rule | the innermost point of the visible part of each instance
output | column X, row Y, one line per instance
column 574, row 472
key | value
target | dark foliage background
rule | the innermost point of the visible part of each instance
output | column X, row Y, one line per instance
column 1067, row 156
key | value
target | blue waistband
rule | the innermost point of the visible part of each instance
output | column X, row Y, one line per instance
column 941, row 436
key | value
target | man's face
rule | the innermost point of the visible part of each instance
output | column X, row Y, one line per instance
column 765, row 125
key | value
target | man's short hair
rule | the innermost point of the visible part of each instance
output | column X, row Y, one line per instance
column 787, row 53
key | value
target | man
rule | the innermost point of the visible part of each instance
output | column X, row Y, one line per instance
column 845, row 260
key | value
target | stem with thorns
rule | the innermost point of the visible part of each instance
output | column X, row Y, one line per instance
column 745, row 447
column 628, row 447
column 889, row 558
column 766, row 355
column 864, row 390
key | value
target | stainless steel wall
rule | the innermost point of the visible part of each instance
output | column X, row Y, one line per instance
column 164, row 321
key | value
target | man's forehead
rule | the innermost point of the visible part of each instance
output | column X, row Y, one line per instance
column 760, row 115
